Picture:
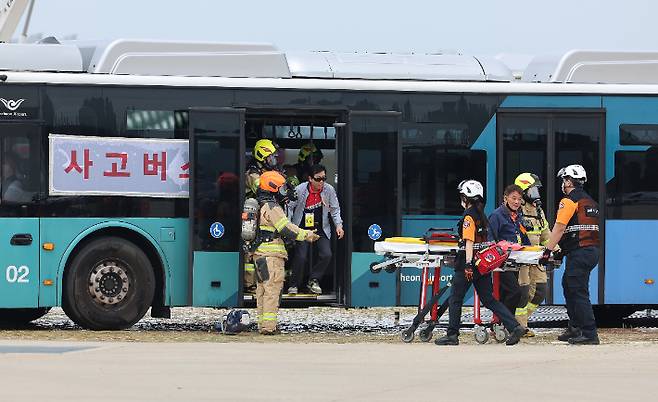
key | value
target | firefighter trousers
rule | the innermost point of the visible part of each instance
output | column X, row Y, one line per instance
column 268, row 292
column 532, row 280
column 249, row 273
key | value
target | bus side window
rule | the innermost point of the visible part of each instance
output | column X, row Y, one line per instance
column 19, row 170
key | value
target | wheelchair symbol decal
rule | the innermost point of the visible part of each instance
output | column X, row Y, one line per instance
column 217, row 230
column 374, row 232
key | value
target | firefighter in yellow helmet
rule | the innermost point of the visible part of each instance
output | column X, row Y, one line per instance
column 532, row 278
column 308, row 156
column 270, row 255
column 264, row 159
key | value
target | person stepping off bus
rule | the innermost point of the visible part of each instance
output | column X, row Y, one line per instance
column 576, row 230
column 317, row 203
column 532, row 278
column 271, row 255
column 473, row 235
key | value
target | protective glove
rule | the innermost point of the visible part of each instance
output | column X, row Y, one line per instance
column 311, row 236
column 545, row 257
column 558, row 254
column 468, row 271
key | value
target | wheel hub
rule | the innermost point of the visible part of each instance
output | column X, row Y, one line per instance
column 108, row 283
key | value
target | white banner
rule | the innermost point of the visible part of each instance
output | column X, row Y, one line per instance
column 137, row 167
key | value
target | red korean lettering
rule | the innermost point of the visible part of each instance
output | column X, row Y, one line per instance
column 185, row 168
column 73, row 164
column 115, row 165
column 156, row 165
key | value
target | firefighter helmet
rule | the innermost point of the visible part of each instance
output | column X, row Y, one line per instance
column 471, row 189
column 527, row 180
column 307, row 150
column 234, row 322
column 272, row 181
column 576, row 172
column 263, row 149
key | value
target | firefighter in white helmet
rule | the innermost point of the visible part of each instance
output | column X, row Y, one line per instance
column 576, row 230
column 473, row 237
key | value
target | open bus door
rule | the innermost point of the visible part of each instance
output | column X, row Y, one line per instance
column 216, row 187
column 372, row 171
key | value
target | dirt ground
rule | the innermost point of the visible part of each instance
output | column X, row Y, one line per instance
column 312, row 325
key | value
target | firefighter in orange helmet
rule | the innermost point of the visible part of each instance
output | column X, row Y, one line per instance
column 270, row 254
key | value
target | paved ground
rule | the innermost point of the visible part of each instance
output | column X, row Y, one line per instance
column 66, row 371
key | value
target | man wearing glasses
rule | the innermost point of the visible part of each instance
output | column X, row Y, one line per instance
column 316, row 203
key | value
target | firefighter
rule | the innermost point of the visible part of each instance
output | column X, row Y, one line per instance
column 473, row 236
column 264, row 159
column 270, row 256
column 532, row 278
column 576, row 230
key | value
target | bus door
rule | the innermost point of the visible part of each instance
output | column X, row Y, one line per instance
column 543, row 141
column 372, row 172
column 20, row 169
column 216, row 187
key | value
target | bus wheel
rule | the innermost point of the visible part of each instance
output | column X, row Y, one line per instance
column 108, row 285
column 21, row 315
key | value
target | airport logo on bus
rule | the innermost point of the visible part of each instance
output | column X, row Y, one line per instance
column 13, row 105
column 217, row 230
column 374, row 231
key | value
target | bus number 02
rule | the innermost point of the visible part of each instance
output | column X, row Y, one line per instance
column 19, row 274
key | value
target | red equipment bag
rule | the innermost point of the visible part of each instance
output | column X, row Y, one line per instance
column 490, row 258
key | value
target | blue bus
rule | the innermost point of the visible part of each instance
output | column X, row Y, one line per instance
column 123, row 164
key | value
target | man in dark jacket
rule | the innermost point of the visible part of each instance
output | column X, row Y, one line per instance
column 505, row 224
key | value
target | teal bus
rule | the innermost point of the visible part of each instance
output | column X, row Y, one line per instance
column 123, row 163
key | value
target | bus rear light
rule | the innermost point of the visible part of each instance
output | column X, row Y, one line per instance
column 47, row 282
column 649, row 281
column 49, row 246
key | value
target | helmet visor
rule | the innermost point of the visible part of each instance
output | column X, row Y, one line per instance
column 272, row 160
column 533, row 193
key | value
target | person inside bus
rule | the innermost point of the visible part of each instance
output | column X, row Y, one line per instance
column 317, row 203
column 505, row 224
column 308, row 156
column 473, row 230
column 12, row 185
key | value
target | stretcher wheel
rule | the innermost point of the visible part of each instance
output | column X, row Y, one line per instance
column 499, row 333
column 425, row 334
column 374, row 271
column 481, row 335
column 407, row 335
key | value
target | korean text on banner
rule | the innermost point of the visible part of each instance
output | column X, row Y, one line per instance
column 138, row 167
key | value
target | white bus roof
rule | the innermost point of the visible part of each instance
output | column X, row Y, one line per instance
column 595, row 66
column 208, row 59
column 144, row 59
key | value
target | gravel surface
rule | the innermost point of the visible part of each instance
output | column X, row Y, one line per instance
column 315, row 324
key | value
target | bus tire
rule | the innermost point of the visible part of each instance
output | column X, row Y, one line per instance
column 19, row 316
column 109, row 285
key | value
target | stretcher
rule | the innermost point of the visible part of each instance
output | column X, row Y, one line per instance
column 432, row 252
